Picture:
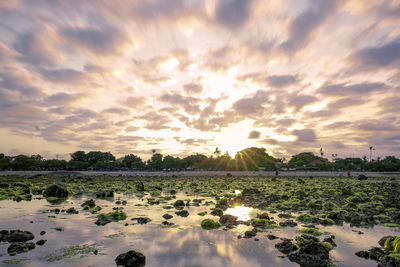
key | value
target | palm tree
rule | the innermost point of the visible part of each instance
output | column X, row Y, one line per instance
column 370, row 152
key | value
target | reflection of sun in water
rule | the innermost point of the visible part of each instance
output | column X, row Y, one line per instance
column 237, row 192
column 242, row 212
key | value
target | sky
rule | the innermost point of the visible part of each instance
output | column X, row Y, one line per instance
column 187, row 76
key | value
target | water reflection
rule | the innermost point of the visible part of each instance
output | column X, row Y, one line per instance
column 188, row 245
column 242, row 212
column 237, row 192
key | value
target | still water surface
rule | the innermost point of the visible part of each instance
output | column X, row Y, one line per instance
column 186, row 245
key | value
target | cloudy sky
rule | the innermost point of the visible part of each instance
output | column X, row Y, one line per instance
column 186, row 76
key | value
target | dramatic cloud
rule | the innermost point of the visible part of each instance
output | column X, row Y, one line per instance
column 185, row 76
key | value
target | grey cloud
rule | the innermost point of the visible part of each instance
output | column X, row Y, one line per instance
column 370, row 58
column 305, row 135
column 189, row 104
column 281, row 80
column 338, row 125
column 70, row 76
column 156, row 120
column 61, row 98
column 12, row 79
column 103, row 40
column 116, row 110
column 300, row 101
column 345, row 89
column 135, row 101
column 277, row 81
column 254, row 135
column 34, row 50
column 193, row 88
column 285, row 122
column 233, row 14
column 303, row 26
column 148, row 11
column 251, row 104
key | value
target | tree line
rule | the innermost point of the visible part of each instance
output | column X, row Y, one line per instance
column 251, row 159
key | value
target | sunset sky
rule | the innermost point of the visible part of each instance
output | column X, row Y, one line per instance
column 183, row 76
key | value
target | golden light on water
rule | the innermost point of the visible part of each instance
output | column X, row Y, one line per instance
column 242, row 212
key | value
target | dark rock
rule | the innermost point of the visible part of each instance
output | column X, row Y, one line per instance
column 285, row 215
column 389, row 261
column 312, row 254
column 42, row 232
column 263, row 215
column 41, row 242
column 103, row 219
column 362, row 254
column 89, row 203
column 131, row 259
column 249, row 234
column 272, row 237
column 58, row 190
column 179, row 204
column 377, row 253
column 217, row 212
column 167, row 223
column 19, row 236
column 286, row 246
column 228, row 220
column 124, row 202
column 182, row 213
column 18, row 248
column 72, row 211
column 142, row 220
column 167, row 216
column 289, row 223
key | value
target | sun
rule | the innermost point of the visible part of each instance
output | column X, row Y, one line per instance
column 234, row 138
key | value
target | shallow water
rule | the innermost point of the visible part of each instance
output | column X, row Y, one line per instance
column 186, row 245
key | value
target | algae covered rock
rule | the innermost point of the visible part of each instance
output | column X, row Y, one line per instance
column 311, row 254
column 90, row 203
column 286, row 246
column 21, row 247
column 209, row 224
column 57, row 190
column 228, row 220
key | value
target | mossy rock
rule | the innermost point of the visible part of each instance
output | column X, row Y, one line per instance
column 392, row 243
column 57, row 190
column 311, row 231
column 209, row 224
column 217, row 212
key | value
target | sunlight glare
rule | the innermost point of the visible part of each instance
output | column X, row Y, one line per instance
column 234, row 138
column 242, row 212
